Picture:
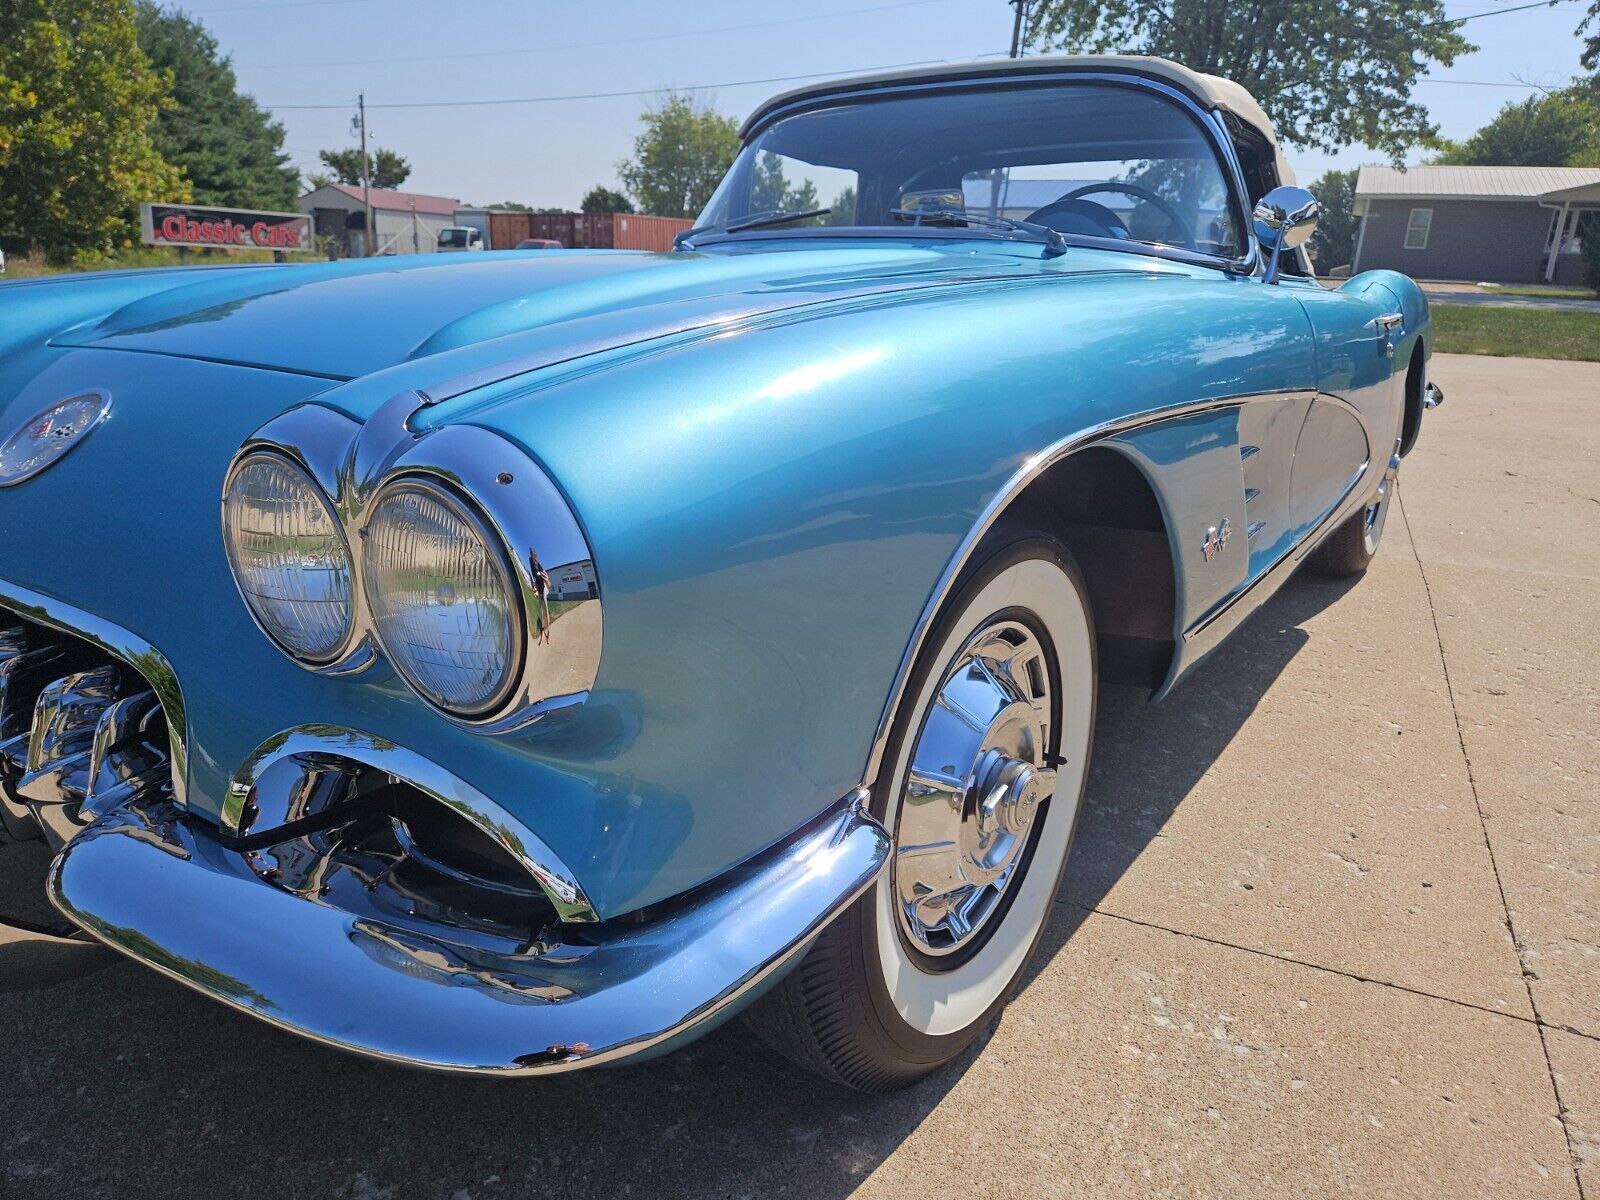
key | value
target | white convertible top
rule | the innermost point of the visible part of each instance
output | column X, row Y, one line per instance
column 1210, row 91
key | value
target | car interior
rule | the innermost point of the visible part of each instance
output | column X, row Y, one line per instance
column 1099, row 161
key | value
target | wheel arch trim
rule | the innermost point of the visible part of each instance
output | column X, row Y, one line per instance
column 1031, row 468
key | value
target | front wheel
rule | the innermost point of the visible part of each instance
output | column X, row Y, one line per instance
column 982, row 779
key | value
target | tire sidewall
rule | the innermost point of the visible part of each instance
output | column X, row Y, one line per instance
column 902, row 1041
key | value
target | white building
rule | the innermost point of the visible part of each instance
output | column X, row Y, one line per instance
column 407, row 222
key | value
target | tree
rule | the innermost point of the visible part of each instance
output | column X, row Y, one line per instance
column 600, row 199
column 1334, row 242
column 679, row 157
column 842, row 209
column 387, row 169
column 771, row 191
column 1558, row 129
column 77, row 102
column 229, row 148
column 1591, row 46
column 1329, row 75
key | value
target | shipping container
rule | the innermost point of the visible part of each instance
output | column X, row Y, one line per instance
column 632, row 231
column 601, row 231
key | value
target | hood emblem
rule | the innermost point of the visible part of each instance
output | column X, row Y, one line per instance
column 46, row 436
column 1216, row 539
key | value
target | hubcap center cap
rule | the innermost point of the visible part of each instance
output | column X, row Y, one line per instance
column 1012, row 794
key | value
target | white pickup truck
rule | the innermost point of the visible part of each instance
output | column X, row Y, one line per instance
column 461, row 237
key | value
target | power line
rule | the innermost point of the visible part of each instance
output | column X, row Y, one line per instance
column 702, row 87
column 1498, row 12
column 607, row 42
column 1532, row 87
column 272, row 7
column 697, row 87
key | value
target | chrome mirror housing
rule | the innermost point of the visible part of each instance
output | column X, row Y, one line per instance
column 1284, row 219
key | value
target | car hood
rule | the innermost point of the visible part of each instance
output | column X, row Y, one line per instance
column 350, row 319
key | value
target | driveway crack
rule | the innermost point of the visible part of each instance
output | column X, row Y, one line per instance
column 1308, row 964
column 1505, row 909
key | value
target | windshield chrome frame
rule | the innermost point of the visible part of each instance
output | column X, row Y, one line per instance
column 1248, row 263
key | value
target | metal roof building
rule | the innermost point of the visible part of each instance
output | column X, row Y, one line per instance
column 405, row 222
column 1501, row 224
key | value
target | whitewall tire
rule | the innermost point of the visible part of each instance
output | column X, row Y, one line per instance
column 980, row 788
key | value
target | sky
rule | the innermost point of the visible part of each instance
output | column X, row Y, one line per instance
column 297, row 55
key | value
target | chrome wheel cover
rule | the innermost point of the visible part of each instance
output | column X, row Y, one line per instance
column 978, row 774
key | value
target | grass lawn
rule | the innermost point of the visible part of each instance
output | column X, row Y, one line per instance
column 1516, row 332
column 28, row 266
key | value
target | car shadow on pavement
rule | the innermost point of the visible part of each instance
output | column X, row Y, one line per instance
column 127, row 1084
column 1149, row 757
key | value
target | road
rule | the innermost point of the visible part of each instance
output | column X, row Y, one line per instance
column 1332, row 924
column 1472, row 297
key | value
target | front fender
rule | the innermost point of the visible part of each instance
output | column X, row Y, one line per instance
column 772, row 511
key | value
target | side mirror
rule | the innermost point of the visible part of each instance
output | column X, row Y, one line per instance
column 1284, row 218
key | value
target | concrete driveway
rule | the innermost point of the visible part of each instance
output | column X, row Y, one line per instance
column 1473, row 297
column 1332, row 924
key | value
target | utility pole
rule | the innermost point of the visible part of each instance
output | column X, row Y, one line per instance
column 998, row 175
column 366, row 175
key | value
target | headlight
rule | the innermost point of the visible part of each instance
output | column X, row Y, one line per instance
column 289, row 556
column 443, row 598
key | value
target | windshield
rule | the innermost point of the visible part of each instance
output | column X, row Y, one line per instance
column 452, row 237
column 1090, row 160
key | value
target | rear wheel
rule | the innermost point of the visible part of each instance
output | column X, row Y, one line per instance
column 1350, row 548
column 982, row 779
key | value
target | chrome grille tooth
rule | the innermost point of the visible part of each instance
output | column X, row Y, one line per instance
column 67, row 714
column 65, row 718
column 82, row 731
column 22, row 677
column 128, row 746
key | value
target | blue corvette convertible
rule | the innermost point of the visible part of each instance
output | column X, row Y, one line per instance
column 512, row 663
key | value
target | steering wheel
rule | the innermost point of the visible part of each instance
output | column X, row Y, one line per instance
column 1068, row 203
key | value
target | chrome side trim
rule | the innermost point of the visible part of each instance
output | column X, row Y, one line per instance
column 557, row 880
column 1230, row 611
column 157, row 888
column 1032, row 467
column 119, row 643
column 1210, row 625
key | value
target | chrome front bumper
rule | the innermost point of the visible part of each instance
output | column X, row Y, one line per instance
column 163, row 889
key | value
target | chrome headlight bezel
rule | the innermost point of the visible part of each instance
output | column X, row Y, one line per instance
column 531, row 517
column 498, row 559
column 350, row 635
column 354, row 462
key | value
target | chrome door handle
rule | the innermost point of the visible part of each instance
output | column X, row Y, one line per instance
column 1387, row 324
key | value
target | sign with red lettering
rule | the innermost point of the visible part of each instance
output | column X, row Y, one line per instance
column 224, row 228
